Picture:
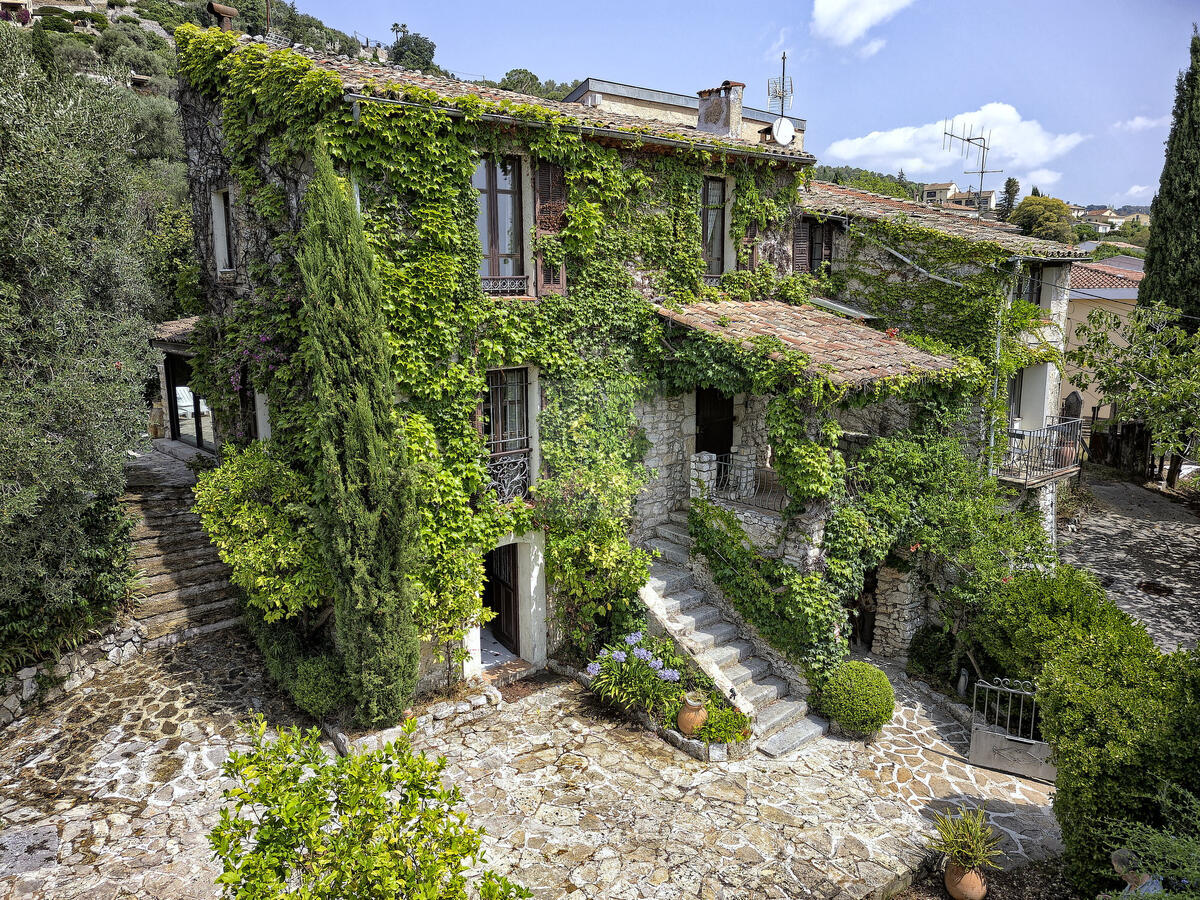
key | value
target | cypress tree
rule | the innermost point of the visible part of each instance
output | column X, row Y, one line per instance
column 1173, row 253
column 363, row 498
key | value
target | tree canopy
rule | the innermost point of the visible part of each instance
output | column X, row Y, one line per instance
column 1008, row 199
column 1044, row 217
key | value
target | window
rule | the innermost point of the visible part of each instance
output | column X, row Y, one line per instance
column 188, row 412
column 1015, row 383
column 506, row 431
column 498, row 180
column 1030, row 288
column 713, row 217
column 812, row 245
column 222, row 231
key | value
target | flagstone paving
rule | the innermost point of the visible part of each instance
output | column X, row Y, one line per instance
column 1145, row 548
column 110, row 792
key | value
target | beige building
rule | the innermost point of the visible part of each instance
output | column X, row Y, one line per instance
column 939, row 192
column 1093, row 286
column 681, row 109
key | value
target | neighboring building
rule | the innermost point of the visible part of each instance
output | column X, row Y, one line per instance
column 19, row 12
column 700, row 435
column 1089, row 246
column 939, row 192
column 1096, row 285
column 666, row 106
column 1138, row 218
column 1077, row 211
column 1101, row 223
column 969, row 199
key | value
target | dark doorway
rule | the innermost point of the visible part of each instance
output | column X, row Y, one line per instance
column 1072, row 407
column 190, row 417
column 501, row 596
column 714, row 422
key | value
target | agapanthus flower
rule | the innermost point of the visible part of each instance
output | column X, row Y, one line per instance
column 619, row 655
column 593, row 669
column 632, row 639
column 669, row 674
column 642, row 653
column 604, row 652
column 656, row 664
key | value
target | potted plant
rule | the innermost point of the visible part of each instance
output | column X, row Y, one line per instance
column 970, row 846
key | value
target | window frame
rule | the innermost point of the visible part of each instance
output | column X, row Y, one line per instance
column 222, row 230
column 491, row 193
column 705, row 209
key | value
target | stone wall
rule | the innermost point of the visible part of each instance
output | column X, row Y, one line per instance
column 900, row 609
column 669, row 424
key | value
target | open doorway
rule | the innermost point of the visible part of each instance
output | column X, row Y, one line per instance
column 500, row 639
column 714, row 422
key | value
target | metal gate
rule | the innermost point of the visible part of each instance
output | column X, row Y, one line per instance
column 1006, row 732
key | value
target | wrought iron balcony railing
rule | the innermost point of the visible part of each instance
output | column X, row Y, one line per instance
column 727, row 478
column 711, row 280
column 510, row 474
column 1035, row 457
column 506, row 285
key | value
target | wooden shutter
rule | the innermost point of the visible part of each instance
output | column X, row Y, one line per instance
column 800, row 246
column 751, row 240
column 827, row 242
column 550, row 215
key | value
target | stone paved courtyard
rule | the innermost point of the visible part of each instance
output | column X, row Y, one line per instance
column 1135, row 541
column 109, row 793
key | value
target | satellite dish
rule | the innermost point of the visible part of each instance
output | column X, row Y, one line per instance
column 783, row 131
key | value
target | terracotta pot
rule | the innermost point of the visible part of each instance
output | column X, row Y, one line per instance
column 965, row 884
column 1064, row 456
column 692, row 715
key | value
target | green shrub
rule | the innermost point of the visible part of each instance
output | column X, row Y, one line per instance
column 1170, row 851
column 1124, row 720
column 58, row 24
column 858, row 696
column 256, row 511
column 725, row 724
column 320, row 685
column 931, row 652
column 369, row 825
column 302, row 664
column 1033, row 615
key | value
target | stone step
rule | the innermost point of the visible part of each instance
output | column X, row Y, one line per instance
column 183, row 598
column 739, row 672
column 696, row 617
column 711, row 635
column 785, row 740
column 679, row 517
column 176, row 578
column 178, row 497
column 667, row 580
column 764, row 690
column 177, row 558
column 682, row 601
column 778, row 715
column 669, row 551
column 152, row 524
column 729, row 654
column 168, row 542
column 192, row 617
column 675, row 533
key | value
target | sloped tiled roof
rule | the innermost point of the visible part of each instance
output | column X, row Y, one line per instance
column 939, row 186
column 376, row 80
column 177, row 331
column 1097, row 276
column 848, row 352
column 835, row 199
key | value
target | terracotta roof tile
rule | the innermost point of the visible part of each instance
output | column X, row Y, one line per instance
column 177, row 331
column 848, row 352
column 1093, row 276
column 374, row 79
column 839, row 200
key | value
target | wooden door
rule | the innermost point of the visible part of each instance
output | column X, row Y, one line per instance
column 500, row 595
column 714, row 422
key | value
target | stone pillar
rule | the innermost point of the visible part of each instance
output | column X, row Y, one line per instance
column 704, row 474
column 899, row 611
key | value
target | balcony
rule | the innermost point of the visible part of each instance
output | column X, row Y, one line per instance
column 725, row 477
column 506, row 433
column 506, row 285
column 1033, row 458
column 711, row 280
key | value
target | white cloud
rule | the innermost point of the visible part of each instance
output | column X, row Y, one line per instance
column 869, row 49
column 781, row 44
column 1142, row 123
column 844, row 21
column 1043, row 177
column 1018, row 145
column 1138, row 190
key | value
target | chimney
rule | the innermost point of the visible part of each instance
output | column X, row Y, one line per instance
column 224, row 14
column 721, row 109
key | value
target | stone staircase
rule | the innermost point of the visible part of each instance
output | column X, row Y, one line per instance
column 185, row 587
column 781, row 718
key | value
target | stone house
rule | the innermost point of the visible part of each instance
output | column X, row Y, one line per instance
column 698, row 440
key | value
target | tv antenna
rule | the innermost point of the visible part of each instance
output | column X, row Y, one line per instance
column 970, row 141
column 779, row 91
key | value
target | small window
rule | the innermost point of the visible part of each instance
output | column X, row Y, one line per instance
column 498, row 181
column 713, row 217
column 1015, row 384
column 222, row 231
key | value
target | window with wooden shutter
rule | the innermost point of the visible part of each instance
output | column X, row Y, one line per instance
column 827, row 242
column 750, row 241
column 498, row 181
column 800, row 259
column 550, row 215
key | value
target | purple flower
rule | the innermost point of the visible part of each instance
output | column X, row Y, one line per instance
column 263, row 338
column 669, row 674
column 593, row 669
column 619, row 655
column 643, row 654
column 604, row 652
column 632, row 639
column 655, row 664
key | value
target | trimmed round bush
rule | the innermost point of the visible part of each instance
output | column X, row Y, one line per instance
column 858, row 696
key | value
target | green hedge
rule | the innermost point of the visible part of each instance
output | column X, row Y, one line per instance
column 858, row 696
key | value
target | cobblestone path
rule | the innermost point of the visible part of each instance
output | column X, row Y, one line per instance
column 1146, row 550
column 110, row 791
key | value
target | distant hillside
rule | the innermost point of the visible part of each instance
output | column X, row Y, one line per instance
column 866, row 180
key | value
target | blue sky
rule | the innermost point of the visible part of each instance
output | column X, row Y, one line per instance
column 1077, row 94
